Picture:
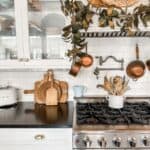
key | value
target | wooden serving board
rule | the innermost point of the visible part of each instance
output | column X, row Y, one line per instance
column 64, row 91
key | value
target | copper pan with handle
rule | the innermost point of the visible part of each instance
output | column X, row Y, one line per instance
column 136, row 68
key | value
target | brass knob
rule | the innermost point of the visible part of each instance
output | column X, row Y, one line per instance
column 132, row 142
column 117, row 141
column 146, row 141
column 102, row 142
column 87, row 142
column 39, row 137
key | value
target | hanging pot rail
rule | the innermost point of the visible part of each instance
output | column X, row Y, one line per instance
column 102, row 61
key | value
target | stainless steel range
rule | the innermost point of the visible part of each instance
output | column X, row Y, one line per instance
column 96, row 126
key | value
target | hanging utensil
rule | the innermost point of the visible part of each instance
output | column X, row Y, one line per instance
column 136, row 68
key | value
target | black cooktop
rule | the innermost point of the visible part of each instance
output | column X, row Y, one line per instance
column 99, row 113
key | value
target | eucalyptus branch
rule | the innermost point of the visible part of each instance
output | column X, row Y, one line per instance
column 81, row 16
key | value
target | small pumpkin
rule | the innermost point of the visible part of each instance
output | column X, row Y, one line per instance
column 96, row 3
column 120, row 3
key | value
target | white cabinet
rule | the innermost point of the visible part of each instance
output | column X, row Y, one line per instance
column 32, row 147
column 30, row 35
column 36, row 139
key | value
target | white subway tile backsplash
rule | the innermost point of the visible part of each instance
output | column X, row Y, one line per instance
column 118, row 47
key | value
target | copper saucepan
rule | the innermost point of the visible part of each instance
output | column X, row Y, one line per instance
column 136, row 68
column 75, row 68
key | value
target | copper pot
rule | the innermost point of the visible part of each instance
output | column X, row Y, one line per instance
column 136, row 68
column 86, row 60
column 75, row 68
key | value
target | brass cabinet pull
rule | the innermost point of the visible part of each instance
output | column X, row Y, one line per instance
column 39, row 137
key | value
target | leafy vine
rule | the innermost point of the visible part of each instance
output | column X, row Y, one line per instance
column 81, row 16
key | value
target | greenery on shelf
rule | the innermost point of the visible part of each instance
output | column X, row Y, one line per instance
column 81, row 16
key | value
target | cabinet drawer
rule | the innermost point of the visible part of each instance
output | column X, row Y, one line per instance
column 36, row 136
column 33, row 147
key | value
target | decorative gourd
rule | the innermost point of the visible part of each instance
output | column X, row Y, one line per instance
column 96, row 3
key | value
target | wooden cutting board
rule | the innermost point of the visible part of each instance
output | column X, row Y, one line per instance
column 42, row 89
column 52, row 95
column 45, row 86
column 64, row 92
column 35, row 91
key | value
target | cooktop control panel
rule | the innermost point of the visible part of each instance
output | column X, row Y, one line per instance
column 111, row 140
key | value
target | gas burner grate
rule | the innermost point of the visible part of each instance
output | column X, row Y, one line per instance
column 100, row 113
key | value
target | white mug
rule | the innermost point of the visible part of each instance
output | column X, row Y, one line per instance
column 79, row 90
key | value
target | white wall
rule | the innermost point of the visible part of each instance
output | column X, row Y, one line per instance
column 119, row 47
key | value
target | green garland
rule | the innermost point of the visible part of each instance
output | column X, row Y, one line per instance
column 81, row 17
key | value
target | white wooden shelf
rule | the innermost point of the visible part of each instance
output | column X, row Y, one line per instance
column 35, row 65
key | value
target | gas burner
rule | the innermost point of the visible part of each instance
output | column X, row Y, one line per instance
column 100, row 113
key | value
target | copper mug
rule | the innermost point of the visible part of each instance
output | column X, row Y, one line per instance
column 75, row 68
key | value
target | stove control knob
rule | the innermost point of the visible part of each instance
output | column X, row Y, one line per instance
column 132, row 142
column 117, row 141
column 87, row 142
column 102, row 142
column 146, row 141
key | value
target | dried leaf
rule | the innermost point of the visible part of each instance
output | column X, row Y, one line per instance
column 136, row 21
column 110, row 11
column 111, row 24
column 85, row 24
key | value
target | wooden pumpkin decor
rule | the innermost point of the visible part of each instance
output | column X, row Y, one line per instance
column 120, row 3
column 96, row 3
